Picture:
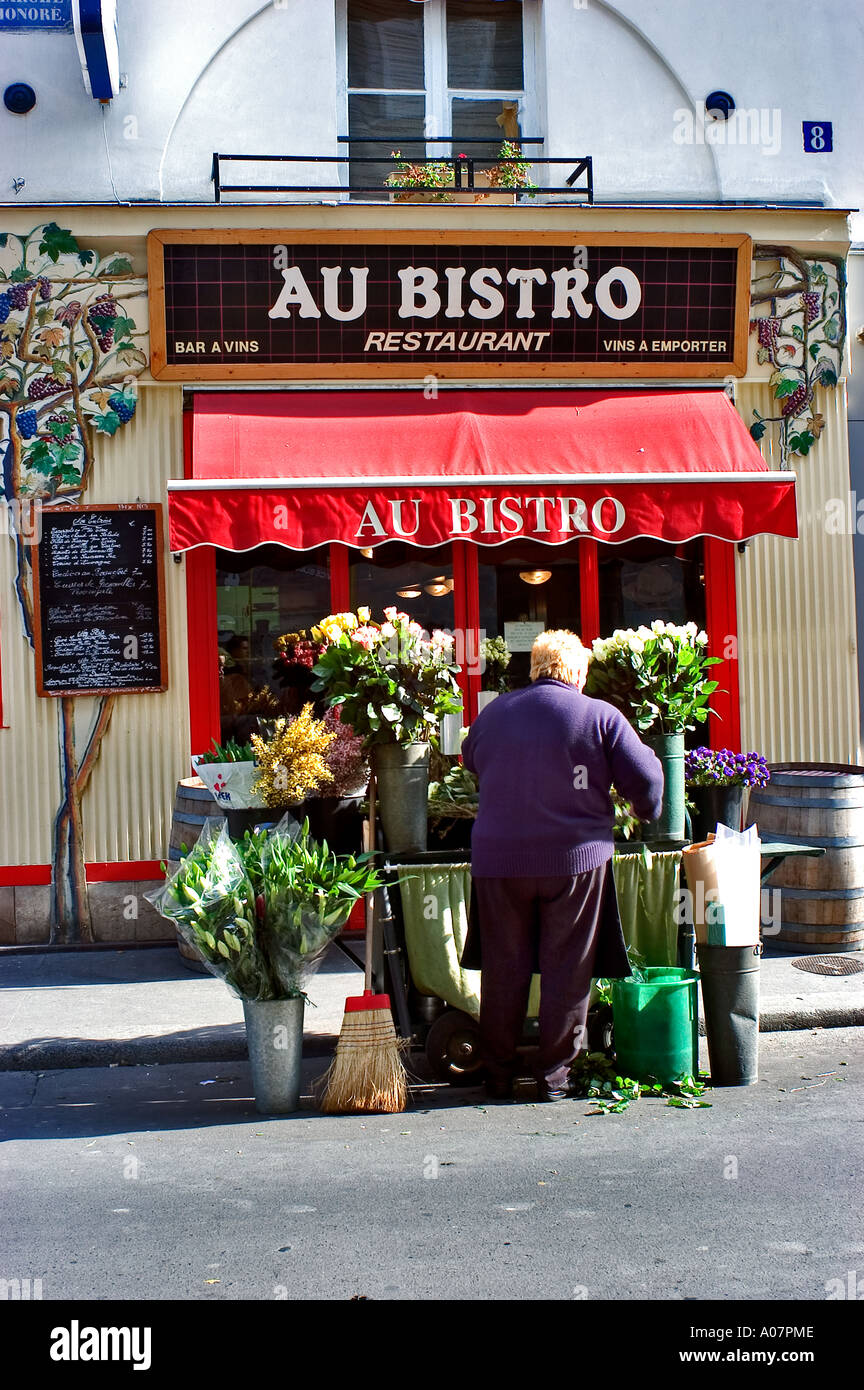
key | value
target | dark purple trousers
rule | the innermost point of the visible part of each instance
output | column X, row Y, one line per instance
column 526, row 924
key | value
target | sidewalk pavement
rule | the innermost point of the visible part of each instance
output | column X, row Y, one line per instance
column 134, row 1006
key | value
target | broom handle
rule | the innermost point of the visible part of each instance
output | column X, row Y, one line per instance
column 370, row 897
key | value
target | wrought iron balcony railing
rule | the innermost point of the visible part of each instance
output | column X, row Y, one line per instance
column 465, row 167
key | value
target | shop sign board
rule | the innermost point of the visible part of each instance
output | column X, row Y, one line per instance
column 18, row 17
column 270, row 305
column 99, row 600
column 668, row 508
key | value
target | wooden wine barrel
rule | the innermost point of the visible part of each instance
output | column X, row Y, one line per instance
column 821, row 900
column 193, row 804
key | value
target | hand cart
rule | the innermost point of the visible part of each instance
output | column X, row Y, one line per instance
column 438, row 1010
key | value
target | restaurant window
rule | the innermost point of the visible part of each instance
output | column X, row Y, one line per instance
column 261, row 594
column 525, row 587
column 461, row 68
column 647, row 579
column 416, row 582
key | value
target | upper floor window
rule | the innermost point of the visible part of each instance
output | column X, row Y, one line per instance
column 417, row 69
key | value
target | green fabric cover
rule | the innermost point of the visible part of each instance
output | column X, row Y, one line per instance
column 435, row 902
column 647, row 885
column 436, row 899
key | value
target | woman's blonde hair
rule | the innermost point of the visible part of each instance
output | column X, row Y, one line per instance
column 560, row 656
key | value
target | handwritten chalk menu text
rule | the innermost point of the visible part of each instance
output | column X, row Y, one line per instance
column 100, row 602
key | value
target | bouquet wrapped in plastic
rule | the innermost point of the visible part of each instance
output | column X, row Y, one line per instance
column 212, row 903
column 308, row 895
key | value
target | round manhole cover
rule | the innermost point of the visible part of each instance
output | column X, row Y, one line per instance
column 829, row 965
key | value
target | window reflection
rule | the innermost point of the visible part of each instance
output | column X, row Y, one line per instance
column 261, row 594
column 647, row 579
column 517, row 608
column 484, row 44
column 417, row 582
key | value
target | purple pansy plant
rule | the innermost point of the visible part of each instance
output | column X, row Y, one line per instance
column 721, row 767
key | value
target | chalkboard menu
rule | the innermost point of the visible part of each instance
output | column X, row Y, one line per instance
column 99, row 600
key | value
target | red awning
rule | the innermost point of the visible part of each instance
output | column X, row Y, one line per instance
column 304, row 468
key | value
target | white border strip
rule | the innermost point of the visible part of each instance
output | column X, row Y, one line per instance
column 435, row 545
column 470, row 480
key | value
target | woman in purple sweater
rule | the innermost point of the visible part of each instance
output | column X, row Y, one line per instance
column 541, row 856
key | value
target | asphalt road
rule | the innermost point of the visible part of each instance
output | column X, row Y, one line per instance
column 163, row 1182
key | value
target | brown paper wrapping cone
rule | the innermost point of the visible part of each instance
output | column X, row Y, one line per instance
column 699, row 867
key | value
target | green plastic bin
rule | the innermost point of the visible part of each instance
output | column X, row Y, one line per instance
column 656, row 1021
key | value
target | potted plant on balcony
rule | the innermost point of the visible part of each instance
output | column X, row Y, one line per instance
column 411, row 181
column 392, row 683
column 656, row 677
column 419, row 182
column 513, row 172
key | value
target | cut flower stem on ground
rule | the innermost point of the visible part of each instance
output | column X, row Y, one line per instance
column 595, row 1077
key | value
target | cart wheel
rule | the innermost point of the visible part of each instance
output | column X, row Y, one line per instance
column 599, row 1029
column 452, row 1049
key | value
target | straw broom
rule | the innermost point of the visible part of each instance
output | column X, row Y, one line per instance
column 367, row 1075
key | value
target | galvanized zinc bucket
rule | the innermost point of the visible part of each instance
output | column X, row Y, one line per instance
column 274, row 1036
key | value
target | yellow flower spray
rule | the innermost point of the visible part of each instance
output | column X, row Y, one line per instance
column 292, row 762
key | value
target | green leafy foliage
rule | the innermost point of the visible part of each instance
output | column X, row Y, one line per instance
column 655, row 676
column 597, row 1078
column 307, row 895
column 496, row 656
column 391, row 681
column 514, row 172
column 802, row 442
column 251, row 848
column 263, row 911
column 57, row 241
column 211, row 901
column 626, row 824
column 434, row 177
column 456, row 794
column 230, row 752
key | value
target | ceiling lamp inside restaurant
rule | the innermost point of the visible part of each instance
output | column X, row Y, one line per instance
column 408, row 593
column 535, row 576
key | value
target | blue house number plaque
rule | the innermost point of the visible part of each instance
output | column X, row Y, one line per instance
column 818, row 137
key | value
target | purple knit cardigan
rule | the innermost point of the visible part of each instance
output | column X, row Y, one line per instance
column 546, row 757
